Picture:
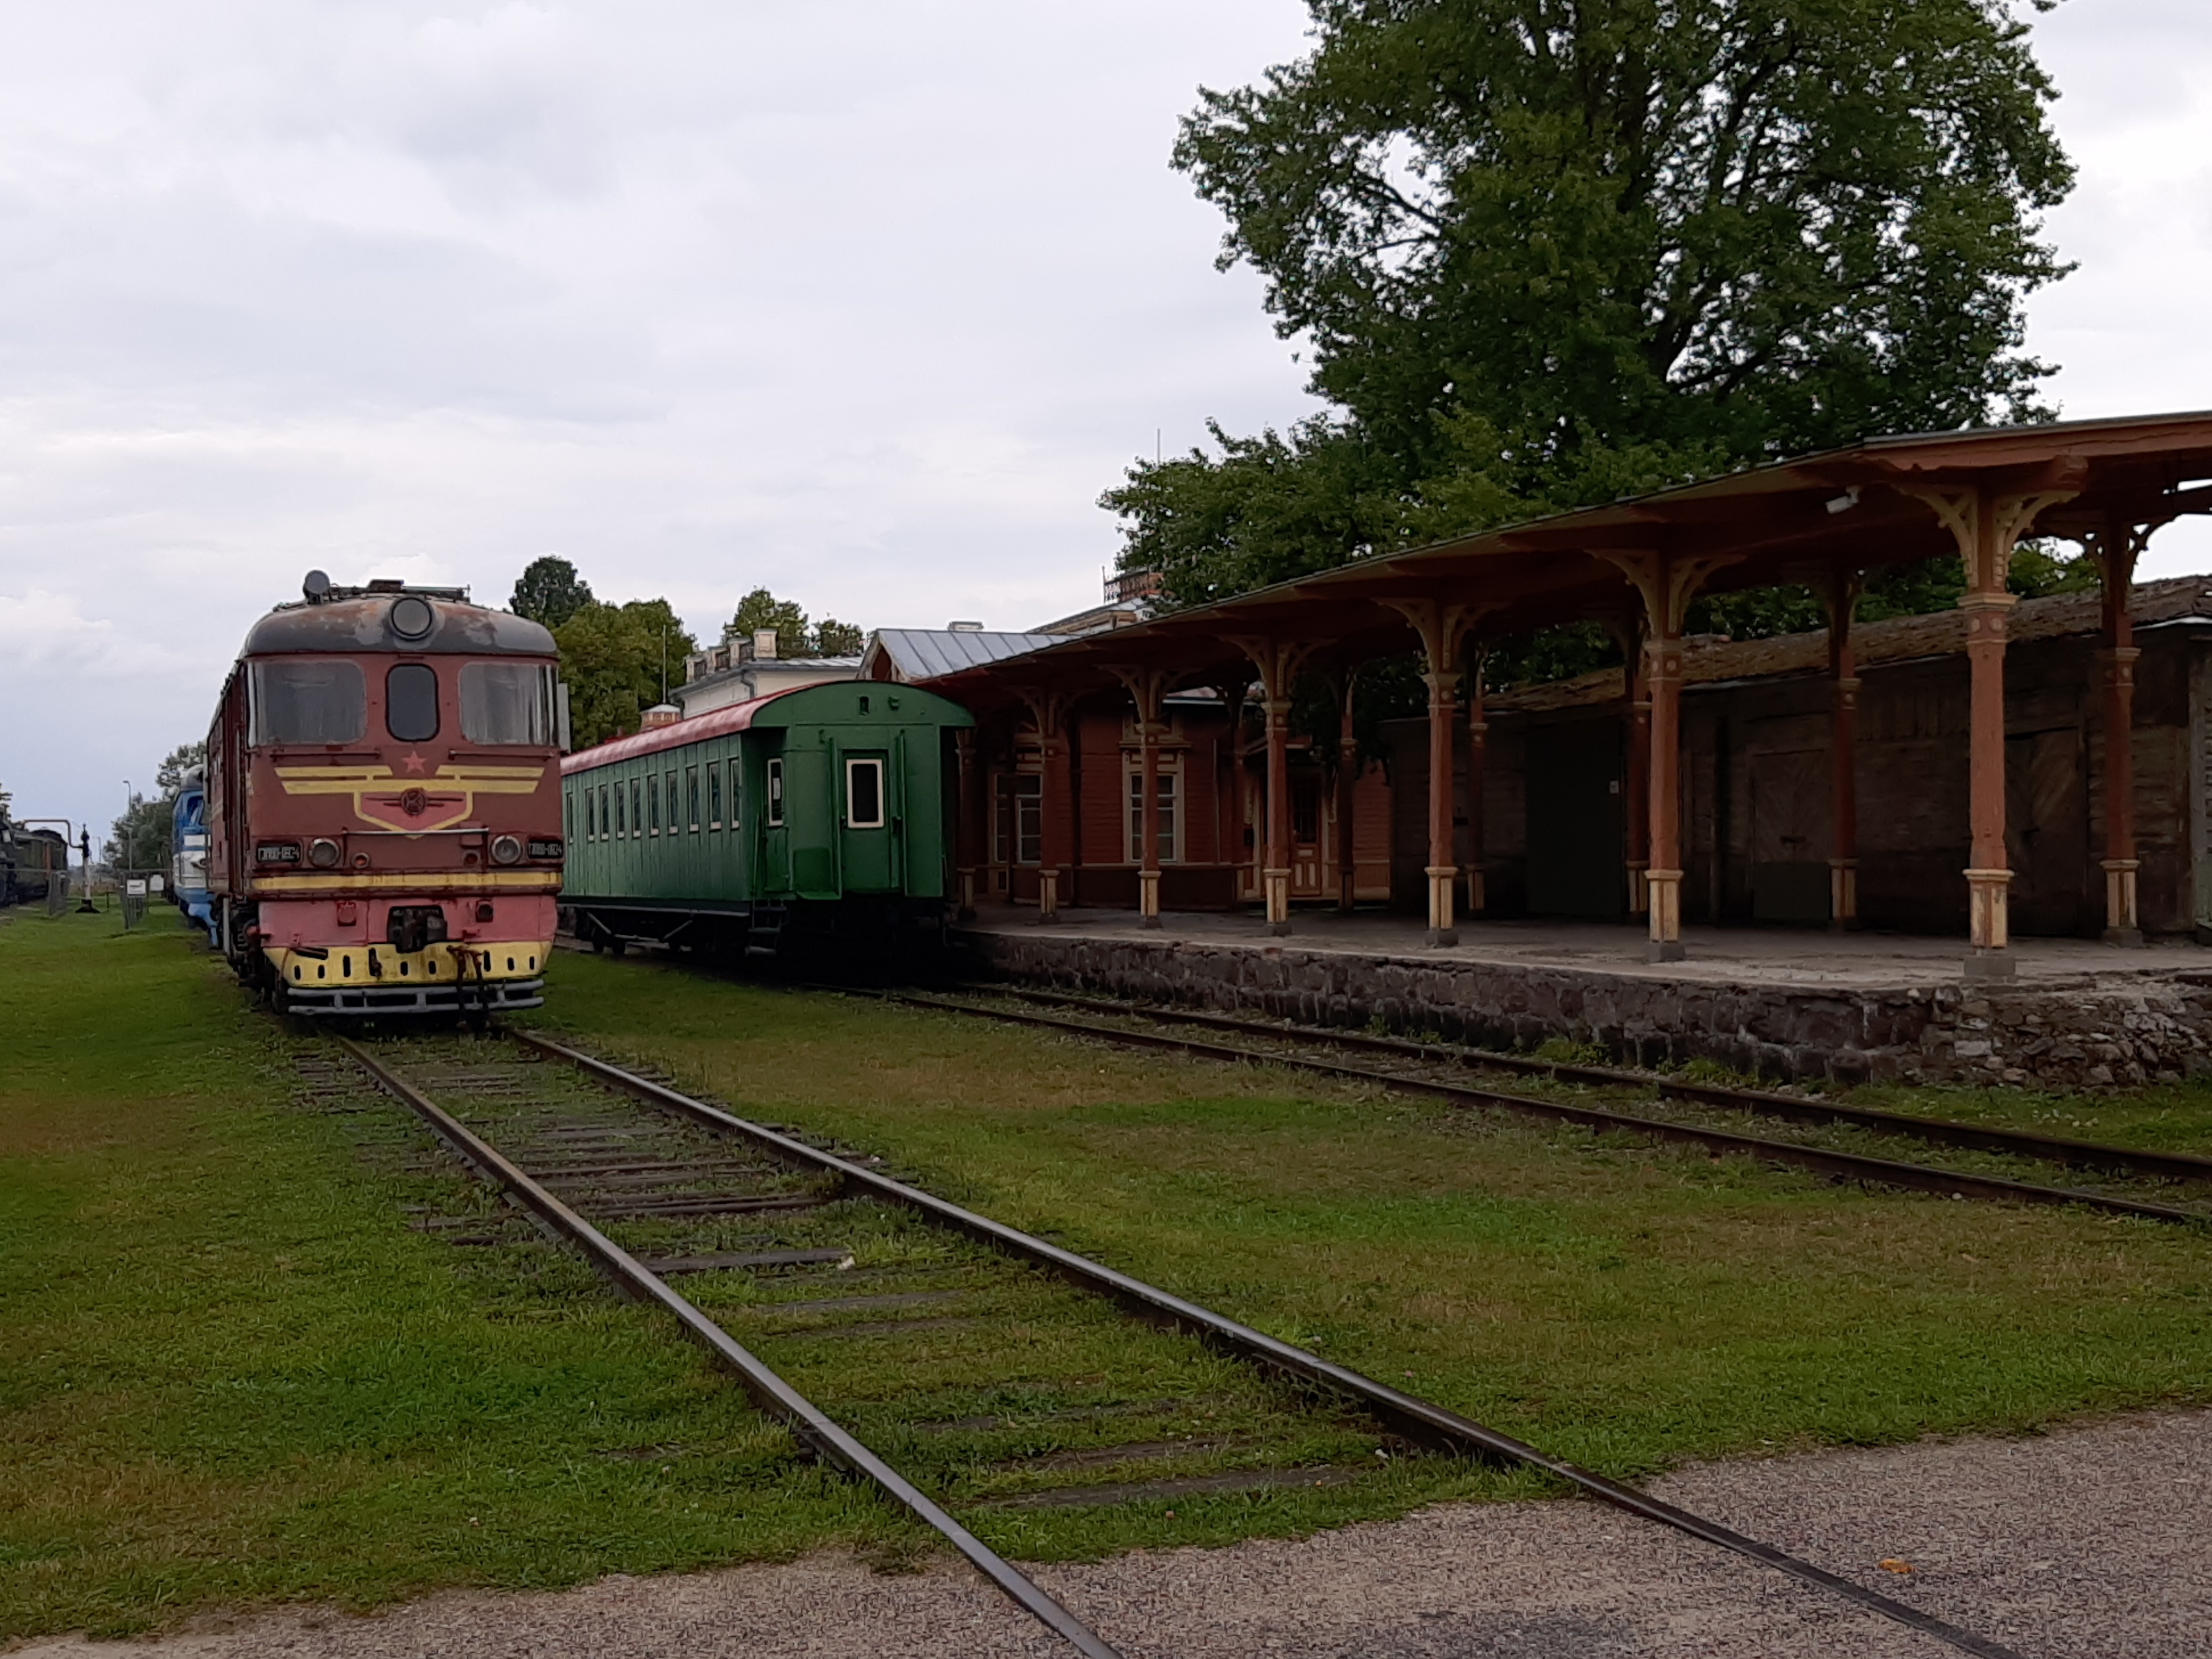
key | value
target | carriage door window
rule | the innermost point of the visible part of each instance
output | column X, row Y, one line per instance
column 410, row 702
column 714, row 796
column 775, row 794
column 691, row 795
column 864, row 794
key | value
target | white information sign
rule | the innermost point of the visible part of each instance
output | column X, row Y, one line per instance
column 134, row 889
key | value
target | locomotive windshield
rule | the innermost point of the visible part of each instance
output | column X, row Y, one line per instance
column 319, row 699
column 508, row 702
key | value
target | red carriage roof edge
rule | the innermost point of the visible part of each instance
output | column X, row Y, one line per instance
column 715, row 723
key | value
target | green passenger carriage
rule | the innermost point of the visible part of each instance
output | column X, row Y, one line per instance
column 816, row 816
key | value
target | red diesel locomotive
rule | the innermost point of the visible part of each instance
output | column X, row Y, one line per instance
column 384, row 804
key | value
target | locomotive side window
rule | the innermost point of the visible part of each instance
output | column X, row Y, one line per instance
column 410, row 702
column 324, row 700
column 506, row 702
column 864, row 794
column 775, row 794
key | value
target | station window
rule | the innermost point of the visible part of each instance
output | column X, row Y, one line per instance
column 714, row 795
column 1018, row 831
column 864, row 794
column 691, row 795
column 775, row 792
column 1167, row 811
column 410, row 702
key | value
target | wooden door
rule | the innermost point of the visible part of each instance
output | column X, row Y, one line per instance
column 1790, row 803
column 2046, row 831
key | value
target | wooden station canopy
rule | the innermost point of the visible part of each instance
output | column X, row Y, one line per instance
column 1822, row 520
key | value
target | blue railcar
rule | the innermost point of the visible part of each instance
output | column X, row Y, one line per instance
column 188, row 852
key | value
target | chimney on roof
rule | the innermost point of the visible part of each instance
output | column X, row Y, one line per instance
column 764, row 645
column 661, row 715
column 963, row 628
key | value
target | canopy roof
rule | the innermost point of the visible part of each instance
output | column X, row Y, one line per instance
column 1800, row 520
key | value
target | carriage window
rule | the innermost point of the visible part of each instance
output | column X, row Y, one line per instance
column 506, row 702
column 410, row 702
column 864, row 794
column 652, row 802
column 675, row 810
column 715, row 796
column 324, row 700
column 636, row 807
column 571, row 814
column 691, row 795
column 736, row 790
column 603, row 811
column 776, row 792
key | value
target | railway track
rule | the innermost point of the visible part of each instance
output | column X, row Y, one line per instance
column 797, row 1257
column 1844, row 1142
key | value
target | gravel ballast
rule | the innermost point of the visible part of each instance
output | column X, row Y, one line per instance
column 2089, row 1542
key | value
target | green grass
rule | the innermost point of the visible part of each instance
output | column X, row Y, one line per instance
column 230, row 1375
column 1628, row 1306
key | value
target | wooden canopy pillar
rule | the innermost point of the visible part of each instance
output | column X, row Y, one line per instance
column 1056, row 824
column 1477, row 758
column 1667, row 583
column 1278, row 663
column 1347, row 785
column 1840, row 599
column 2115, row 546
column 1987, row 520
column 968, row 821
column 1148, row 690
column 1442, row 626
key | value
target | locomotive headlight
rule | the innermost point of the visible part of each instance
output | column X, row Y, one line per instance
column 323, row 854
column 505, row 849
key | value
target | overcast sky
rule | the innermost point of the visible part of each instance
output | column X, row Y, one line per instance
column 864, row 301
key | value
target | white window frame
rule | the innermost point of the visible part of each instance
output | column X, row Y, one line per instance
column 852, row 819
column 1171, row 783
column 775, row 794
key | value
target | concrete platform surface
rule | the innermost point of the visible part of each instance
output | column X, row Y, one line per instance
column 1776, row 956
column 2088, row 1543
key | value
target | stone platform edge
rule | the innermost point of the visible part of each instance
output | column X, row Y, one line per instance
column 2069, row 1034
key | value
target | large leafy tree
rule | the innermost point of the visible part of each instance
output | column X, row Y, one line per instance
column 760, row 611
column 550, row 591
column 1548, row 252
column 618, row 661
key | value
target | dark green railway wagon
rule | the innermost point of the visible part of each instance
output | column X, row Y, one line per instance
column 820, row 814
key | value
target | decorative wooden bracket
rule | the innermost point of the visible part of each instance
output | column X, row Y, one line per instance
column 1279, row 663
column 1667, row 581
column 1443, row 626
column 1986, row 524
column 1147, row 687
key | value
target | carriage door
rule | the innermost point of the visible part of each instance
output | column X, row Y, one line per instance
column 774, row 834
column 866, row 781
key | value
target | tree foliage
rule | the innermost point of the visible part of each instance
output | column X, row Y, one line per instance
column 618, row 661
column 550, row 591
column 760, row 611
column 1546, row 254
column 141, row 838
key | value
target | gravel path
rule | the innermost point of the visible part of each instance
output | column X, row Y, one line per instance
column 2090, row 1543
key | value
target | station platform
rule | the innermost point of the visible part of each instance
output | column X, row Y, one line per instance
column 1782, row 1003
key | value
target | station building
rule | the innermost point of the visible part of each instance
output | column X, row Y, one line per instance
column 1947, row 776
